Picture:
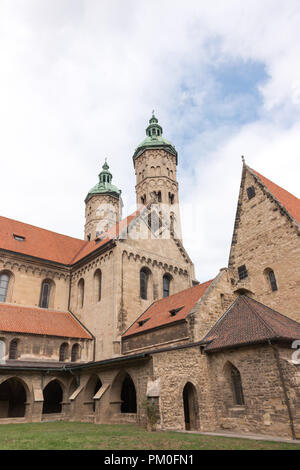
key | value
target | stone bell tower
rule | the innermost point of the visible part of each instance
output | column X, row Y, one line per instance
column 155, row 162
column 103, row 206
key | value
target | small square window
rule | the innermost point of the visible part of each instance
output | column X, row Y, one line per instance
column 251, row 192
column 242, row 271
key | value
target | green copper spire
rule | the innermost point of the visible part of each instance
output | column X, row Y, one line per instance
column 104, row 186
column 154, row 139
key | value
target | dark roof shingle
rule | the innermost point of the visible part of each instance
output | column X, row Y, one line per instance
column 248, row 322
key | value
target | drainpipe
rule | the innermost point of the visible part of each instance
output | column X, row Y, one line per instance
column 285, row 392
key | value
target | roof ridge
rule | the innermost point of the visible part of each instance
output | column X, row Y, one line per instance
column 283, row 189
column 41, row 228
column 272, row 311
column 259, row 316
column 281, row 204
column 184, row 290
column 221, row 318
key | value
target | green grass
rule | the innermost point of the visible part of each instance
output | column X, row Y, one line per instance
column 76, row 436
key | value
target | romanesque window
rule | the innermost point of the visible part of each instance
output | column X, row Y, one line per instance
column 250, row 192
column 4, row 281
column 81, row 293
column 144, row 281
column 47, row 285
column 75, row 353
column 269, row 273
column 242, row 272
column 63, row 352
column 13, row 349
column 237, row 386
column 98, row 285
column 166, row 285
column 273, row 282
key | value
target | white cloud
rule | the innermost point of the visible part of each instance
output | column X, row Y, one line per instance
column 78, row 82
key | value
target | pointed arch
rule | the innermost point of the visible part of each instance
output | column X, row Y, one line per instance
column 190, row 406
column 234, row 379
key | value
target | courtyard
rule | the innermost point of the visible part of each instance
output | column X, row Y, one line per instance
column 87, row 436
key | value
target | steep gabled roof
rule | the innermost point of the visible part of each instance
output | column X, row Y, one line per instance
column 290, row 202
column 159, row 313
column 249, row 322
column 40, row 321
column 52, row 246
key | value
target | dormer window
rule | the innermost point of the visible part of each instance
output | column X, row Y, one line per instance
column 174, row 311
column 19, row 238
column 142, row 322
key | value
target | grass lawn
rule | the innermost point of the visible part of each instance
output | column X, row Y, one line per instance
column 76, row 436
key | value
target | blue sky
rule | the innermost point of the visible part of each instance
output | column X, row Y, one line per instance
column 79, row 80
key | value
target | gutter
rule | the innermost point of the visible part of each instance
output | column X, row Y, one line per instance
column 86, row 365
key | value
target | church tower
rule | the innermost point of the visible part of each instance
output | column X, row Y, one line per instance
column 103, row 206
column 155, row 162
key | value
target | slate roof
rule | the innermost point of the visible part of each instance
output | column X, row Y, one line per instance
column 249, row 322
column 159, row 313
column 40, row 321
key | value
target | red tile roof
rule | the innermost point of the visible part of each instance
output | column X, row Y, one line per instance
column 40, row 321
column 288, row 200
column 158, row 314
column 52, row 246
column 248, row 322
column 112, row 233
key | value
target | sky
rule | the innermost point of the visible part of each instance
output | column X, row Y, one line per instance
column 79, row 80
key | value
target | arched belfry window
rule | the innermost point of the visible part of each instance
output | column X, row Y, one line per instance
column 98, row 285
column 166, row 285
column 46, row 293
column 144, row 283
column 4, row 281
column 237, row 386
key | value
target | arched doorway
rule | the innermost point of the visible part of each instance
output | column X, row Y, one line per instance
column 128, row 395
column 53, row 396
column 190, row 405
column 12, row 399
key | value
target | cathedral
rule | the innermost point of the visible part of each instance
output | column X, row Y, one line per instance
column 102, row 328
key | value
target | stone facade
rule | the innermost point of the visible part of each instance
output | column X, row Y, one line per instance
column 167, row 365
